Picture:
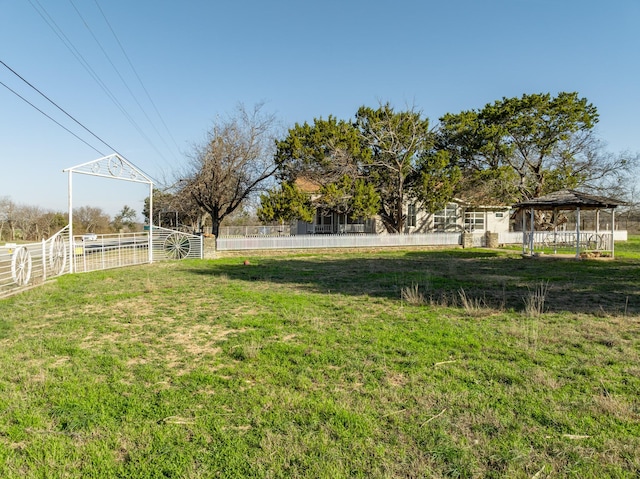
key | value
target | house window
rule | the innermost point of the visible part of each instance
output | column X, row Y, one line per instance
column 447, row 218
column 473, row 220
column 499, row 215
column 411, row 215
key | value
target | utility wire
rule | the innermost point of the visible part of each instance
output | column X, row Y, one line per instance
column 124, row 82
column 138, row 77
column 59, row 108
column 74, row 51
column 50, row 118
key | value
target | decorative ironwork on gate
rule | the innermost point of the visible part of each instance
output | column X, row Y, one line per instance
column 23, row 266
column 171, row 244
column 113, row 167
column 26, row 265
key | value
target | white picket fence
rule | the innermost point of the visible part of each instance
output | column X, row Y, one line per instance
column 335, row 241
column 374, row 241
column 255, row 230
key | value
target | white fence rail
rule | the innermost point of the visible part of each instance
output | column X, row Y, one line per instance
column 96, row 252
column 253, row 230
column 545, row 238
column 26, row 265
column 171, row 244
column 374, row 240
column 336, row 241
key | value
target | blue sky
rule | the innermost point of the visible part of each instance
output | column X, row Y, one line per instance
column 303, row 59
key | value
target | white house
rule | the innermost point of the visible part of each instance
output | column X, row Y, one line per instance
column 456, row 216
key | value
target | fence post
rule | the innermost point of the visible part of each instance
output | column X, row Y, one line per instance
column 491, row 240
column 467, row 240
column 44, row 260
column 208, row 247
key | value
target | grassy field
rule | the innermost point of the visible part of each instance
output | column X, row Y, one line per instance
column 456, row 363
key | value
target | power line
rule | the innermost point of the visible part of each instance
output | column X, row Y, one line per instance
column 50, row 118
column 124, row 82
column 138, row 77
column 74, row 51
column 59, row 108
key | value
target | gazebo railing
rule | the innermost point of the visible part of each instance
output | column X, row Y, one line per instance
column 589, row 241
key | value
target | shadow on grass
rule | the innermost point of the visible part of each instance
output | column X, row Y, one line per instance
column 501, row 280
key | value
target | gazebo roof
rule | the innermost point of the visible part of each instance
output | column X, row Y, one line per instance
column 569, row 200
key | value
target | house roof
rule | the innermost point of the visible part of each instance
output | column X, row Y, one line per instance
column 307, row 185
column 570, row 200
column 478, row 206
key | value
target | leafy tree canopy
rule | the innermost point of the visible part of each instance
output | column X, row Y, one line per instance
column 371, row 166
column 524, row 146
column 285, row 203
column 323, row 152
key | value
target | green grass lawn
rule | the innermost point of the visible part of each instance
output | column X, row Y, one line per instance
column 456, row 363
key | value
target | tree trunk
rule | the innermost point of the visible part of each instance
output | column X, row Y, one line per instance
column 399, row 222
column 215, row 227
column 400, row 204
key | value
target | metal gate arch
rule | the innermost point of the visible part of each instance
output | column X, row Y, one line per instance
column 23, row 266
column 113, row 167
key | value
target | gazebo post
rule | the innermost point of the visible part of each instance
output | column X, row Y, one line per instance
column 577, row 232
column 533, row 226
column 613, row 222
column 524, row 231
column 554, row 217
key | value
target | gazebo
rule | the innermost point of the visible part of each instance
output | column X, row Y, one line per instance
column 567, row 200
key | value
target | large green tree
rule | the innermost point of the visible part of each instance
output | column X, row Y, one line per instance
column 285, row 203
column 375, row 165
column 355, row 198
column 331, row 154
column 520, row 148
column 323, row 152
column 404, row 166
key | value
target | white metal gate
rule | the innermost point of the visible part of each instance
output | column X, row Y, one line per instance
column 25, row 265
column 171, row 244
column 93, row 252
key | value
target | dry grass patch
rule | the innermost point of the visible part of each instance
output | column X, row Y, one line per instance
column 412, row 295
column 534, row 301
